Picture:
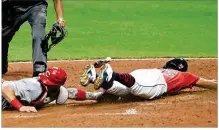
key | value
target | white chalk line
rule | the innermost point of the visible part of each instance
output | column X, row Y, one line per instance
column 28, row 116
column 131, row 111
column 128, row 112
column 145, row 59
column 171, row 103
column 75, row 114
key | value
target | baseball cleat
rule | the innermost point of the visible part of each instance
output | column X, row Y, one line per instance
column 105, row 76
column 88, row 76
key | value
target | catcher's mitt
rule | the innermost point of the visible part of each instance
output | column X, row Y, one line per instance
column 57, row 34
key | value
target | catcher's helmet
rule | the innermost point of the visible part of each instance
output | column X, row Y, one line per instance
column 53, row 77
column 179, row 64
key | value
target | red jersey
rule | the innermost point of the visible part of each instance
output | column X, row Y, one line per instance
column 177, row 80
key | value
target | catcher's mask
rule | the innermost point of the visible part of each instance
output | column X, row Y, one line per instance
column 179, row 64
column 53, row 77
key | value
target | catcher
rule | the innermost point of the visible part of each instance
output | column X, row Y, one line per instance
column 145, row 83
column 29, row 94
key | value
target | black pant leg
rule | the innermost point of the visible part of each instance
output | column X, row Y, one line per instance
column 10, row 24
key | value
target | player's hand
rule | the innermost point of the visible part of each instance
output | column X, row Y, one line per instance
column 27, row 109
column 61, row 22
column 99, row 63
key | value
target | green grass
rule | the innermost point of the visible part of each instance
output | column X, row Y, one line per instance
column 129, row 29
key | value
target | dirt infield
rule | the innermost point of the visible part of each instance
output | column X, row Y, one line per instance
column 190, row 108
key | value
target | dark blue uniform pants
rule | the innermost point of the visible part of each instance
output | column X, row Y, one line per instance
column 12, row 18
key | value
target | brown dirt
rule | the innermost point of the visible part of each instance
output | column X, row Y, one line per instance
column 191, row 108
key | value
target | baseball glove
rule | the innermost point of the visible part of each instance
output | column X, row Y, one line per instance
column 56, row 34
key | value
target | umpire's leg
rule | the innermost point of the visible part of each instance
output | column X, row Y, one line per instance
column 10, row 25
column 37, row 21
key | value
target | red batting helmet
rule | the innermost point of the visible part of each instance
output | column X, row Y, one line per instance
column 53, row 77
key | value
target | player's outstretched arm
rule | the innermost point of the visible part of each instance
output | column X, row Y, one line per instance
column 9, row 95
column 206, row 83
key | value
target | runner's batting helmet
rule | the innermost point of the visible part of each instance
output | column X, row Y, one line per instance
column 179, row 64
column 53, row 77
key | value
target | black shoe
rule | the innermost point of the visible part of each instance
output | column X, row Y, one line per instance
column 39, row 67
column 36, row 74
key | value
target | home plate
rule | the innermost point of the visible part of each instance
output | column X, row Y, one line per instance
column 130, row 112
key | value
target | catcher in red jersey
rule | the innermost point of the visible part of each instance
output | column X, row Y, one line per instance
column 28, row 94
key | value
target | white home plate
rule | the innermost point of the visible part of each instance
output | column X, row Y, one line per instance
column 131, row 112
